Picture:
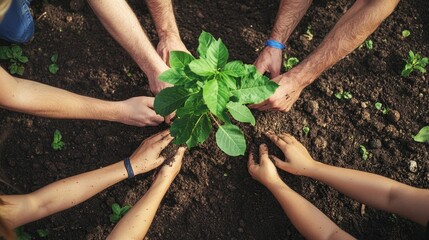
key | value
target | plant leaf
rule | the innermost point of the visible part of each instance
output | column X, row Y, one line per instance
column 205, row 40
column 217, row 54
column 216, row 96
column 125, row 209
column 230, row 139
column 5, row 53
column 193, row 105
column 23, row 59
column 179, row 59
column 54, row 58
column 202, row 67
column 191, row 129
column 175, row 76
column 170, row 99
column 116, row 209
column 200, row 132
column 423, row 135
column 114, row 218
column 234, row 69
column 53, row 68
column 228, row 80
column 240, row 112
column 422, row 70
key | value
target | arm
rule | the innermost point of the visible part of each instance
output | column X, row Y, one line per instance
column 121, row 22
column 306, row 218
column 349, row 32
column 42, row 100
column 136, row 223
column 374, row 190
column 169, row 38
column 66, row 193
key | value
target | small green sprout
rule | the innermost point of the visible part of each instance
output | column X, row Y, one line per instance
column 423, row 135
column 53, row 68
column 43, row 232
column 288, row 63
column 21, row 234
column 57, row 142
column 306, row 130
column 369, row 44
column 364, row 153
column 343, row 95
column 379, row 106
column 15, row 57
column 118, row 212
column 406, row 33
column 308, row 34
column 414, row 62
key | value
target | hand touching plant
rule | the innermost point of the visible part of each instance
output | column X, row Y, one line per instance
column 265, row 172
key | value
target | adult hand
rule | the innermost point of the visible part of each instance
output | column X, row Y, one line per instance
column 138, row 111
column 168, row 44
column 270, row 60
column 170, row 170
column 265, row 172
column 297, row 159
column 284, row 97
column 147, row 156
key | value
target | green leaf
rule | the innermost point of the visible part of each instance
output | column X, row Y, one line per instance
column 378, row 105
column 125, row 209
column 5, row 53
column 205, row 40
column 191, row 129
column 20, row 70
column 13, row 69
column 306, row 130
column 338, row 95
column 234, row 69
column 175, row 76
column 114, row 218
column 217, row 54
column 16, row 51
column 406, row 72
column 422, row 70
column 54, row 58
column 240, row 112
column 23, row 59
column 411, row 54
column 21, row 234
column 200, row 132
column 53, row 68
column 423, row 135
column 228, row 80
column 231, row 140
column 202, row 67
column 424, row 61
column 170, row 99
column 116, row 208
column 42, row 232
column 179, row 59
column 216, row 96
column 194, row 105
column 363, row 152
column 347, row 95
column 406, row 33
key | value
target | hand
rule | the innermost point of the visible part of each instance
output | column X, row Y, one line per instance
column 147, row 156
column 270, row 60
column 297, row 159
column 265, row 172
column 168, row 44
column 138, row 111
column 284, row 97
column 170, row 170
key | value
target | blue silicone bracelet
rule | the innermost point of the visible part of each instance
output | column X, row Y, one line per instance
column 128, row 167
column 274, row 44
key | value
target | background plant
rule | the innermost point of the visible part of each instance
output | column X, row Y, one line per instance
column 414, row 62
column 211, row 89
column 343, row 95
column 379, row 106
column 422, row 135
column 57, row 142
column 15, row 56
column 118, row 212
column 288, row 63
column 53, row 68
column 406, row 33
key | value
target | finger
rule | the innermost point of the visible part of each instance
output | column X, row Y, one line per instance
column 260, row 67
column 279, row 163
column 179, row 155
column 276, row 140
column 268, row 106
column 251, row 161
column 149, row 101
column 163, row 143
column 259, row 105
column 263, row 153
column 287, row 138
column 160, row 160
column 159, row 136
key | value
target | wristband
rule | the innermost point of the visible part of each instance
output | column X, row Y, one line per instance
column 128, row 167
column 274, row 44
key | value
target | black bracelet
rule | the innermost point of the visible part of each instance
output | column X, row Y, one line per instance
column 128, row 167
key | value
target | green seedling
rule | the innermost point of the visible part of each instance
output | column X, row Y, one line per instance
column 16, row 58
column 288, row 63
column 21, row 234
column 53, row 68
column 43, row 232
column 422, row 136
column 364, row 153
column 118, row 212
column 308, row 34
column 57, row 142
column 343, row 95
column 414, row 62
column 306, row 130
column 369, row 44
column 406, row 33
column 211, row 89
column 379, row 106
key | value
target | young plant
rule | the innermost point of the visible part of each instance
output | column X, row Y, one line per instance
column 414, row 62
column 343, row 95
column 57, row 142
column 308, row 34
column 15, row 57
column 288, row 63
column 21, row 234
column 369, row 44
column 53, row 68
column 306, row 130
column 406, row 33
column 206, row 90
column 379, row 106
column 364, row 153
column 43, row 233
column 422, row 136
column 118, row 212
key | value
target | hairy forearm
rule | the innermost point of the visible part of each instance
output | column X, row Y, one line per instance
column 376, row 191
column 136, row 223
column 307, row 219
column 350, row 31
column 163, row 15
column 62, row 194
column 289, row 14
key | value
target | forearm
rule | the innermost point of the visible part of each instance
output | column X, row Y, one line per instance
column 289, row 14
column 307, row 219
column 376, row 191
column 136, row 223
column 62, row 194
column 350, row 31
column 163, row 15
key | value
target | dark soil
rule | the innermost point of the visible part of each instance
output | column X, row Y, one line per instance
column 214, row 197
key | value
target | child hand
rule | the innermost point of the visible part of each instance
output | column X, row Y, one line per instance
column 170, row 170
column 265, row 172
column 147, row 156
column 297, row 159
